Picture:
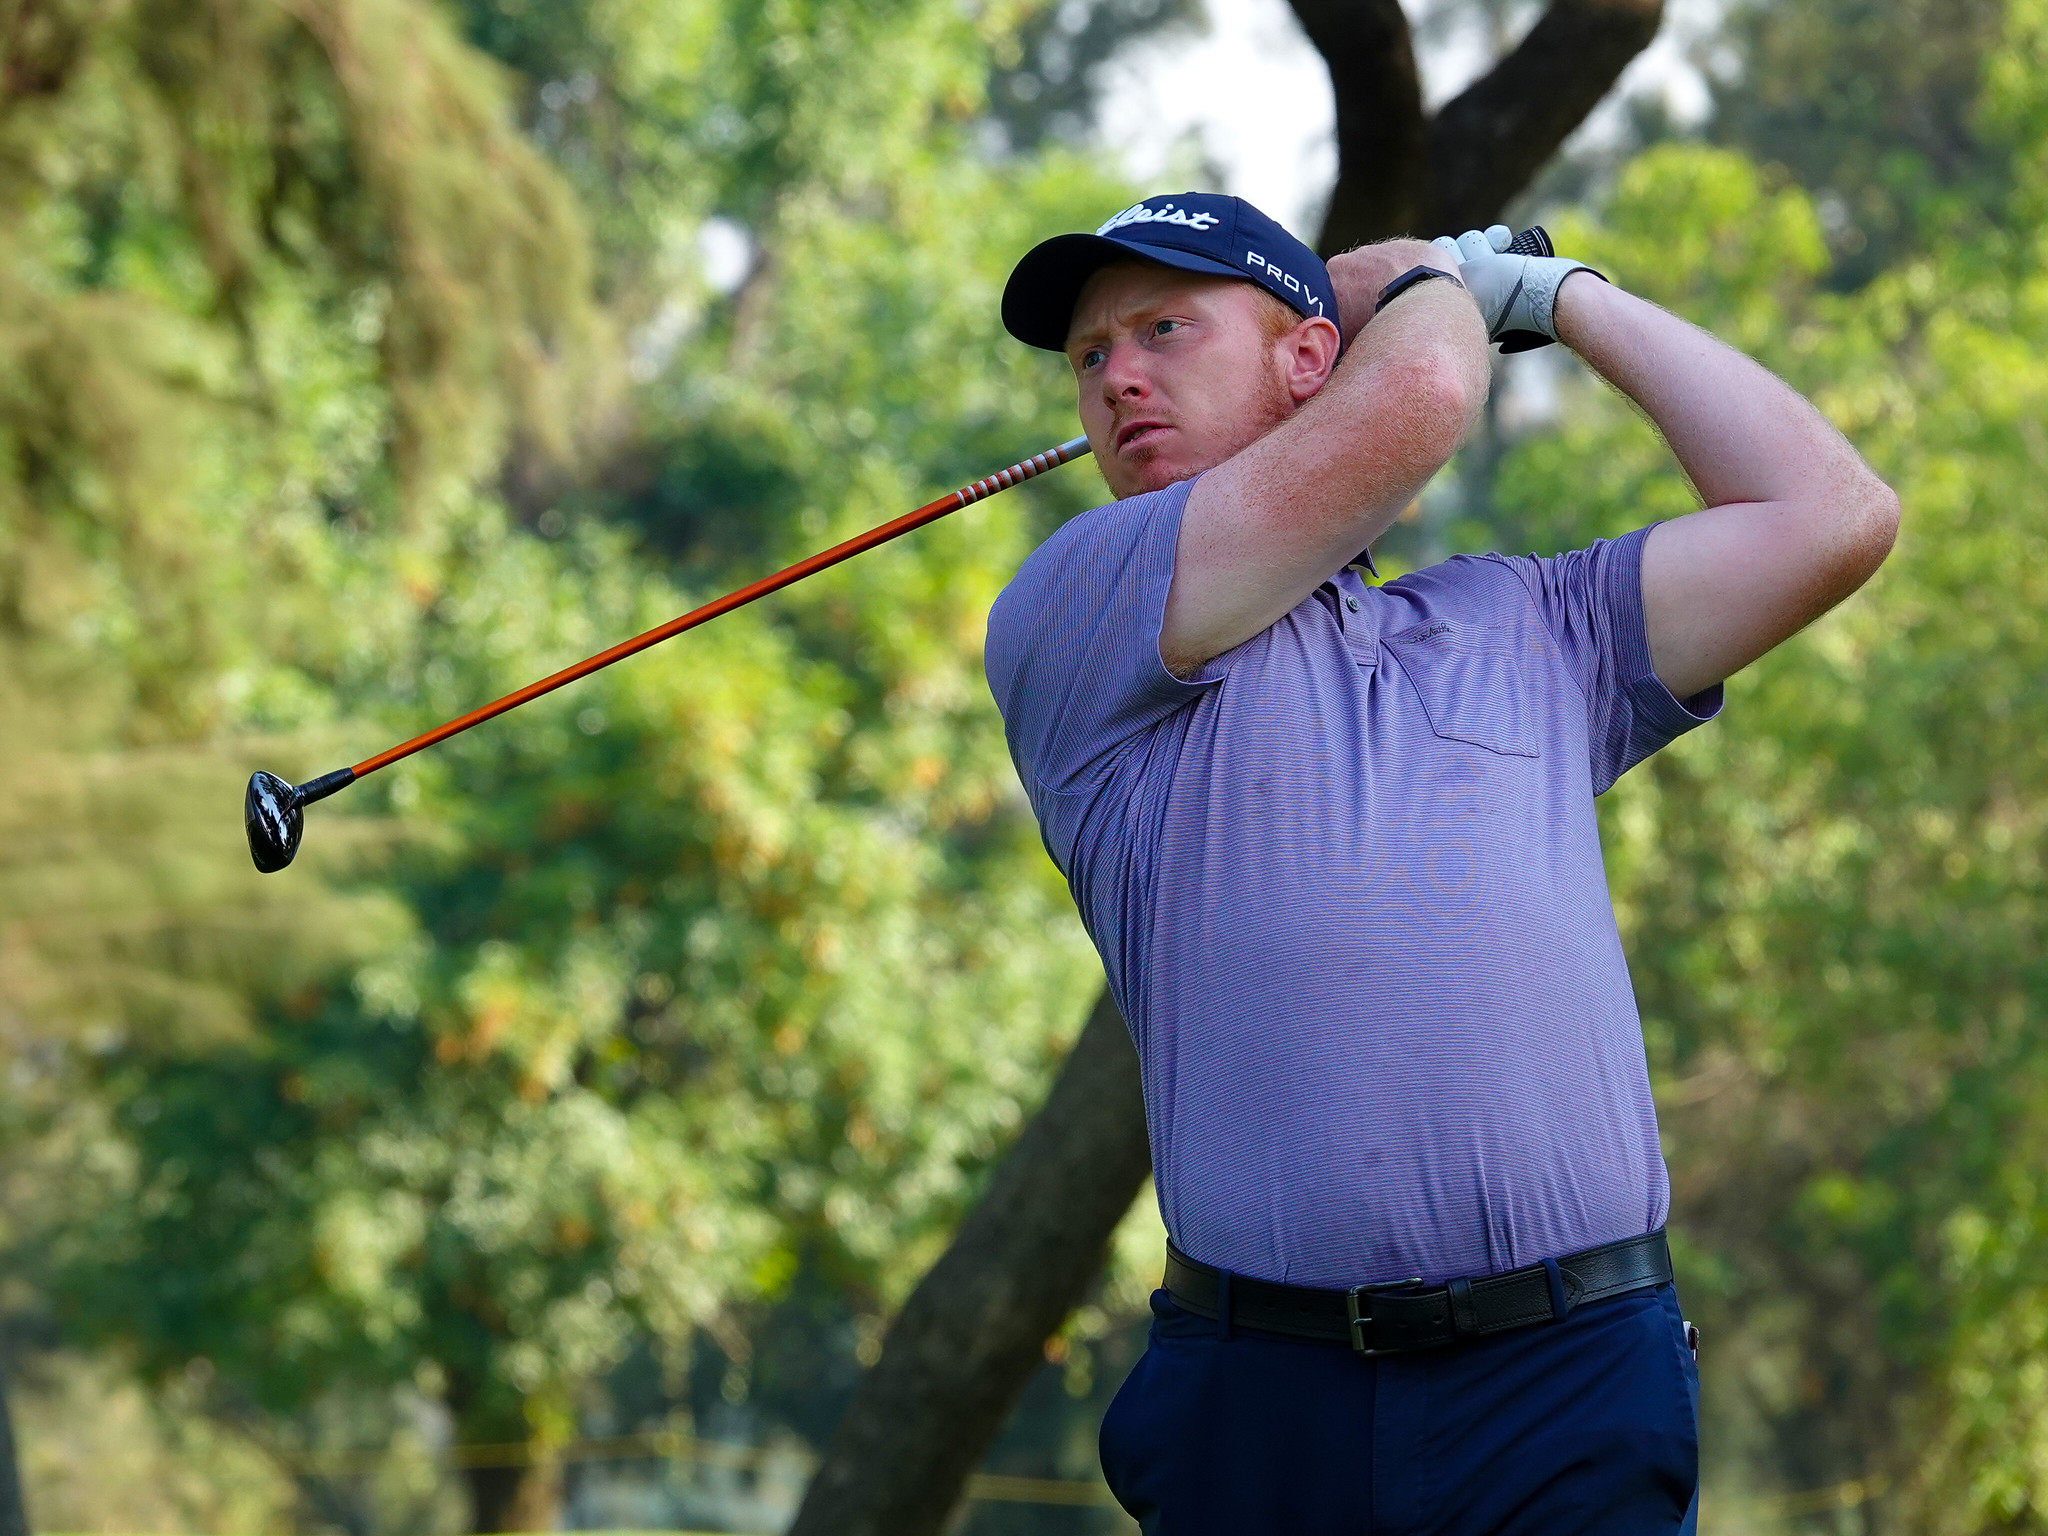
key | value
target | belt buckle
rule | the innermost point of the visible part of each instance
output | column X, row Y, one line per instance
column 1360, row 1319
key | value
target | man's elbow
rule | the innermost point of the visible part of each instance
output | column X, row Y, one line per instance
column 1852, row 528
column 1841, row 531
column 1874, row 526
column 1446, row 390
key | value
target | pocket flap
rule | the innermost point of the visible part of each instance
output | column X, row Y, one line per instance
column 1471, row 684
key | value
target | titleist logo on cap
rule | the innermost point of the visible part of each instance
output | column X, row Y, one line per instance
column 1200, row 232
column 1166, row 213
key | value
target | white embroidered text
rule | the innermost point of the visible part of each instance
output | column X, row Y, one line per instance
column 1166, row 213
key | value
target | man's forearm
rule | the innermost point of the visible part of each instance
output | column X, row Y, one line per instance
column 1393, row 413
column 1265, row 527
column 1795, row 519
column 1428, row 342
column 1739, row 432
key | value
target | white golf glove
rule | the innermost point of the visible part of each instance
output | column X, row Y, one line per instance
column 1517, row 294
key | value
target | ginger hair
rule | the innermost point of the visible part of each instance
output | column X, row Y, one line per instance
column 1276, row 317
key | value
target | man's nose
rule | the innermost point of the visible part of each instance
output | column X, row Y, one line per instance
column 1123, row 373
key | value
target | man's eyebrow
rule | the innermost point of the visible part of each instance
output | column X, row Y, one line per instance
column 1134, row 313
column 1082, row 339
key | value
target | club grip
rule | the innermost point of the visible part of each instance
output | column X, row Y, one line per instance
column 1533, row 241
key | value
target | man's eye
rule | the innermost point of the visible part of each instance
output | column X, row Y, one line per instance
column 1162, row 327
column 1093, row 357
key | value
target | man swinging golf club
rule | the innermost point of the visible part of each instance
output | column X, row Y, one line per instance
column 1336, row 844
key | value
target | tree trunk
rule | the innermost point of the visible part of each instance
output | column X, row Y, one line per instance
column 513, row 1498
column 974, row 1330
column 1488, row 143
column 13, row 1507
column 1382, row 136
column 1400, row 172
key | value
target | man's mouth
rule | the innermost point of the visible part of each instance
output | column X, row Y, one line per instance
column 1133, row 433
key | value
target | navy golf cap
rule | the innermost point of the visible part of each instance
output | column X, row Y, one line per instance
column 1195, row 231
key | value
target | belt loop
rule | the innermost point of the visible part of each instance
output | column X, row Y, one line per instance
column 1464, row 1316
column 1223, row 1305
column 1555, row 1276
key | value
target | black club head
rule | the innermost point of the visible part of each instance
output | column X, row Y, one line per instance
column 274, row 821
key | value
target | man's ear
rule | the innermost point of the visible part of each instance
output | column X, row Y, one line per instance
column 1308, row 354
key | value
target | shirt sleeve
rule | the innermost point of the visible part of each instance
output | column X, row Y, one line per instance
column 1591, row 600
column 1073, row 642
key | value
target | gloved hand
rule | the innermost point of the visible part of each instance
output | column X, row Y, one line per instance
column 1516, row 294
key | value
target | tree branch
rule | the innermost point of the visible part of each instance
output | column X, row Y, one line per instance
column 975, row 1328
column 1488, row 144
column 1382, row 137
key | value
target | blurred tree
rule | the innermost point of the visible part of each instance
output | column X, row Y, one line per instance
column 245, row 323
column 1048, row 79
column 1833, row 897
column 1402, row 170
column 1872, row 105
column 739, row 960
column 13, row 1508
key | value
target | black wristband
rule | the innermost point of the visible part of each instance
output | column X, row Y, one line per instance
column 1409, row 279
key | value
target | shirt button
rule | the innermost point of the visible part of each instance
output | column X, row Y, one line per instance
column 1351, row 603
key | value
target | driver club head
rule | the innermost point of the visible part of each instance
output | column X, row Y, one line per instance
column 274, row 813
column 273, row 820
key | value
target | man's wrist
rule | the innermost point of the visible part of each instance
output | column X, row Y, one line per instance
column 1567, row 312
column 1414, row 277
column 1359, row 276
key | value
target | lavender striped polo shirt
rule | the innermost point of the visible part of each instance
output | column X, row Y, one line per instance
column 1347, row 888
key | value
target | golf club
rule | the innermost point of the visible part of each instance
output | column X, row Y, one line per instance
column 273, row 811
column 1533, row 241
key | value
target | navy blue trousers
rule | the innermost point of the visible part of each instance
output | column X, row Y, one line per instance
column 1585, row 1427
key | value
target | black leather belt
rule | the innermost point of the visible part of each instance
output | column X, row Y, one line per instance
column 1405, row 1315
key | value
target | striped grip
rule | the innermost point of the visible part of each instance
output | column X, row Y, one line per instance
column 1017, row 474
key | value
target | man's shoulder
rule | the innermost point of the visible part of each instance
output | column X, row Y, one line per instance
column 1526, row 581
column 1111, row 521
column 1096, row 569
column 1084, row 554
column 1471, row 586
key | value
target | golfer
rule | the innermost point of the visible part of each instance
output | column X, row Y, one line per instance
column 1336, row 844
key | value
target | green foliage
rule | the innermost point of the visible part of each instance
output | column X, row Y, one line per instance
column 1873, row 105
column 99, row 1453
column 1832, row 896
column 195, row 387
column 362, row 362
column 1047, row 76
column 598, row 1026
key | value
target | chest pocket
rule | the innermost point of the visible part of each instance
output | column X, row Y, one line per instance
column 1473, row 686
